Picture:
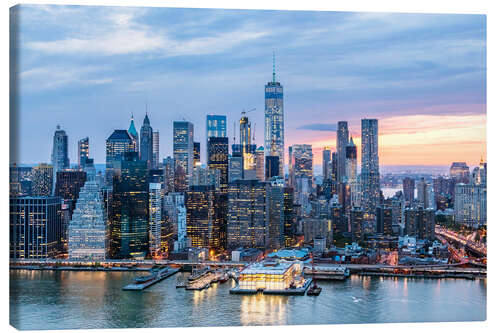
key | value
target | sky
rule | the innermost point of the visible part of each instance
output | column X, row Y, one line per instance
column 87, row 69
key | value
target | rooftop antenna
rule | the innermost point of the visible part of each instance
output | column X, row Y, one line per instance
column 274, row 68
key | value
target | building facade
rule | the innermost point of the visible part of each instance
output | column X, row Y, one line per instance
column 35, row 227
column 87, row 231
column 274, row 126
column 184, row 147
column 146, row 147
column 370, row 176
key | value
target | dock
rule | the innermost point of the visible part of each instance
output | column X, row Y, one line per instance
column 142, row 286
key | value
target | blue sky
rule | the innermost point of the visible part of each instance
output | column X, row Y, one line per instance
column 87, row 68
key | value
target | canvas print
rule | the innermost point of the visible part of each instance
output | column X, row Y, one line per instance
column 174, row 167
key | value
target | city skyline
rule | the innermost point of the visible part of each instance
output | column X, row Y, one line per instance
column 431, row 107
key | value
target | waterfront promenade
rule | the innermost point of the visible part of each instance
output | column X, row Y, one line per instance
column 433, row 271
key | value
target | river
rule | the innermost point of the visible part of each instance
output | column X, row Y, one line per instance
column 70, row 300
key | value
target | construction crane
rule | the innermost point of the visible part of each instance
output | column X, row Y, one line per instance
column 247, row 111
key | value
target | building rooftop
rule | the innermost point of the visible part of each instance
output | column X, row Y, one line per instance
column 273, row 267
column 290, row 253
column 120, row 135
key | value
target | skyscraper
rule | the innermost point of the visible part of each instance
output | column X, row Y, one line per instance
column 60, row 160
column 118, row 144
column 460, row 172
column 133, row 133
column 184, row 147
column 42, row 178
column 35, row 227
column 370, row 177
column 470, row 205
column 260, row 164
column 275, row 215
column 351, row 161
column 87, row 230
column 327, row 154
column 147, row 142
column 168, row 174
column 342, row 141
column 288, row 216
column 155, row 220
column 247, row 149
column 246, row 219
column 272, row 166
column 156, row 150
column 129, row 215
column 301, row 163
column 196, row 153
column 218, row 158
column 203, row 223
column 68, row 185
column 422, row 193
column 274, row 129
column 409, row 189
column 216, row 126
column 83, row 152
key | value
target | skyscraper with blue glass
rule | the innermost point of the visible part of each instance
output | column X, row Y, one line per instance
column 274, row 129
column 370, row 176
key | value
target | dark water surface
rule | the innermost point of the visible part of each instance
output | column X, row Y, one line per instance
column 69, row 300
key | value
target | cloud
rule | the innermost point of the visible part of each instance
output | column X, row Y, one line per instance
column 319, row 127
column 121, row 33
column 50, row 77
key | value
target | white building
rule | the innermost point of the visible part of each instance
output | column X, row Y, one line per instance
column 87, row 229
column 155, row 220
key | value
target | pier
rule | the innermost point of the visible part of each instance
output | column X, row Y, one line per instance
column 161, row 276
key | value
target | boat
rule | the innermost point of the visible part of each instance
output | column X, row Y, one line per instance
column 195, row 275
column 223, row 278
column 314, row 290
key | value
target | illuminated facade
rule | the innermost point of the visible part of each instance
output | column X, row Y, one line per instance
column 129, row 212
column 168, row 174
column 184, row 147
column 301, row 165
column 260, row 164
column 35, row 227
column 275, row 215
column 42, row 180
column 351, row 162
column 288, row 216
column 384, row 220
column 83, row 152
column 218, row 158
column 155, row 219
column 87, row 229
column 268, row 276
column 156, row 150
column 246, row 221
column 274, row 127
column 203, row 223
column 216, row 126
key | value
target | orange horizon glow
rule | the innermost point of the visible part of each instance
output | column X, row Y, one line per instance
column 419, row 140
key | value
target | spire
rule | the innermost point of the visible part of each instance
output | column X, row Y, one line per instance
column 274, row 68
column 132, row 129
column 146, row 119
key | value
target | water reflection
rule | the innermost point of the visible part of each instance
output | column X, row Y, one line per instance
column 263, row 309
column 65, row 300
